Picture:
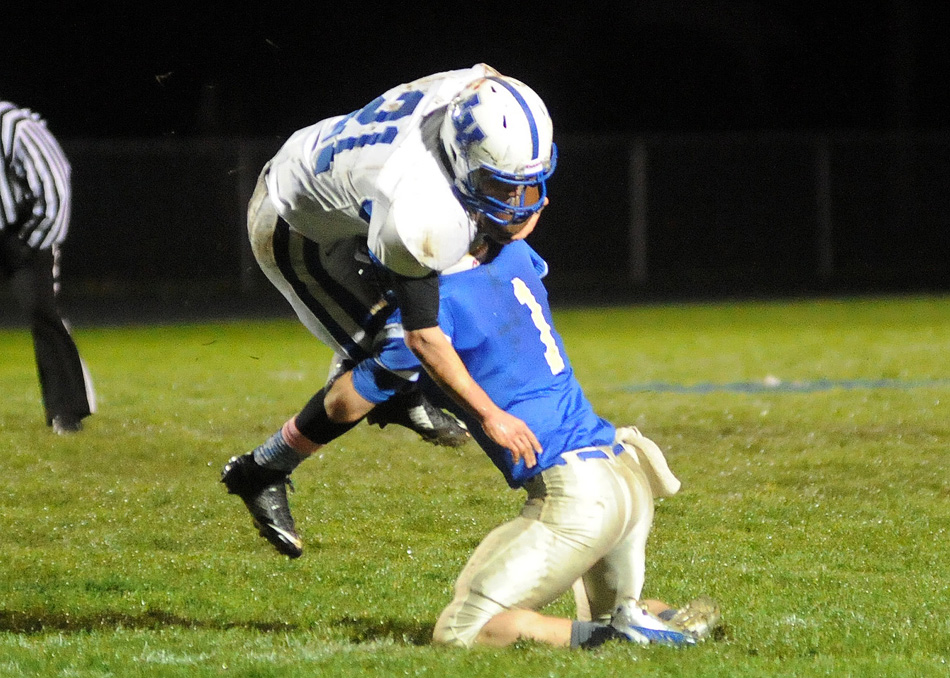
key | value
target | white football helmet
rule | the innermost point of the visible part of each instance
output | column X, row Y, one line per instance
column 499, row 125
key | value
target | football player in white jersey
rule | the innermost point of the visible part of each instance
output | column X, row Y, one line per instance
column 359, row 213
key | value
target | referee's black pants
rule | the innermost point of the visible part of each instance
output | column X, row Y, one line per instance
column 64, row 383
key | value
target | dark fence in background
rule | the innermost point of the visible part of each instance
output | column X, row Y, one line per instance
column 161, row 215
column 665, row 217
column 767, row 214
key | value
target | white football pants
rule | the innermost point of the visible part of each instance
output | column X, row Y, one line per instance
column 331, row 285
column 584, row 524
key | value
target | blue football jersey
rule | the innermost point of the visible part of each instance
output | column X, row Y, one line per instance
column 498, row 319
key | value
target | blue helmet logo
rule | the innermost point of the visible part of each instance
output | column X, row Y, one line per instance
column 467, row 130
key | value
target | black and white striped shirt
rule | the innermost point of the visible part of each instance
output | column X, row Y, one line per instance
column 34, row 179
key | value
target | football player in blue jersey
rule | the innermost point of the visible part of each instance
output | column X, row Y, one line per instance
column 590, row 491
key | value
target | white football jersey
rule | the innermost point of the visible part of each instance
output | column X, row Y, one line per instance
column 379, row 170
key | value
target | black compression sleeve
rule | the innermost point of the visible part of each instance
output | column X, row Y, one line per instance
column 418, row 299
column 314, row 423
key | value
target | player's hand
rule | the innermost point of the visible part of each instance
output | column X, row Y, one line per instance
column 514, row 435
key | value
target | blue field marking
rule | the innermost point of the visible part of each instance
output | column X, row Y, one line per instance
column 777, row 386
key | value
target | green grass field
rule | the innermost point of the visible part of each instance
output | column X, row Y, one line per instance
column 816, row 511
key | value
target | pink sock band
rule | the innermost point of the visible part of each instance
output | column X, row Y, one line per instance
column 298, row 440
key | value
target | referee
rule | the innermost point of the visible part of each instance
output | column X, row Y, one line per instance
column 34, row 217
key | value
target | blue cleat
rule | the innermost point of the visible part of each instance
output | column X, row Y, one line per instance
column 640, row 626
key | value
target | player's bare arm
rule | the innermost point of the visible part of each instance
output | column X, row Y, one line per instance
column 418, row 299
column 446, row 368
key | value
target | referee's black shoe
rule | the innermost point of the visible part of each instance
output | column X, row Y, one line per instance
column 264, row 492
column 413, row 410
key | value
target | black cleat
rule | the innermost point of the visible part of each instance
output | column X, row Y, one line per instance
column 414, row 411
column 264, row 492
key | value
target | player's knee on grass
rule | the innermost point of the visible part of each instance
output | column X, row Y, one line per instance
column 462, row 621
column 509, row 627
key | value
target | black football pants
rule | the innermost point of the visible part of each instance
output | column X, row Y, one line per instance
column 64, row 383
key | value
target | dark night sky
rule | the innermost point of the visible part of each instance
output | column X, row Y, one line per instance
column 132, row 69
